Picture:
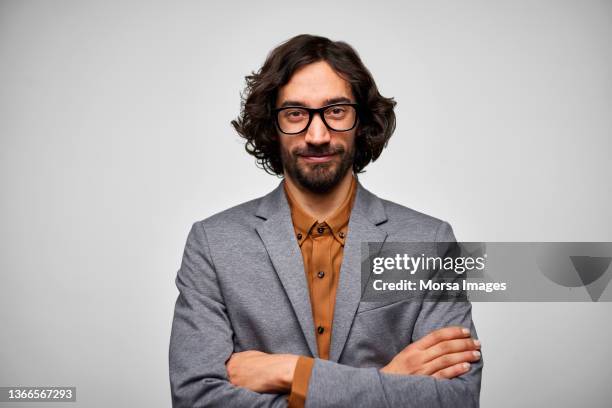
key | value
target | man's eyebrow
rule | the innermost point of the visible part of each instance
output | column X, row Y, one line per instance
column 329, row 101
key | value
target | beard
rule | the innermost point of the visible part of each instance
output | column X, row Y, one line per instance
column 318, row 177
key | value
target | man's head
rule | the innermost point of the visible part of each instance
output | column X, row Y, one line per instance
column 314, row 148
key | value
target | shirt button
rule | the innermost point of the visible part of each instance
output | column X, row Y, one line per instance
column 320, row 230
column 320, row 329
column 321, row 274
column 299, row 235
column 341, row 235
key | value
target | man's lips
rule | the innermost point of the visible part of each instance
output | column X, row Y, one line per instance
column 318, row 158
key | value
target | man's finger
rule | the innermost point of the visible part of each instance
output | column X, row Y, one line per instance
column 449, row 347
column 449, row 360
column 436, row 336
column 453, row 371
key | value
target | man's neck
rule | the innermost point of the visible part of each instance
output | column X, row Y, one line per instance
column 320, row 205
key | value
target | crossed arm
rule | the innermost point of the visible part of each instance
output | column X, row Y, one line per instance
column 204, row 371
column 443, row 354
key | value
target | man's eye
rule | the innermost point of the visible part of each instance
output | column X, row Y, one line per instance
column 295, row 114
column 338, row 111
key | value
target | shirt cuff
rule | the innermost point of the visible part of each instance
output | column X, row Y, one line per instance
column 299, row 386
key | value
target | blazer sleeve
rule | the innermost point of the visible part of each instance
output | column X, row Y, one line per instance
column 201, row 338
column 333, row 384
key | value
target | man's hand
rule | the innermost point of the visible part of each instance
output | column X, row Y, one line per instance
column 443, row 353
column 262, row 372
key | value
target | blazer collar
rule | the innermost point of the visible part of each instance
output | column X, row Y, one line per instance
column 366, row 203
column 279, row 239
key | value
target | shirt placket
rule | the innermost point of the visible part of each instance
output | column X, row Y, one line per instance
column 322, row 277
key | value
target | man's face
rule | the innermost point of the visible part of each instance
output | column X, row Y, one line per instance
column 318, row 158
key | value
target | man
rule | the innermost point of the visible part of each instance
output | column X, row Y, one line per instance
column 269, row 312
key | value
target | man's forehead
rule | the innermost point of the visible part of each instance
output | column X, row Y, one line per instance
column 316, row 84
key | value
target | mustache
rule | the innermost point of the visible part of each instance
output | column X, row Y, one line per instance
column 318, row 150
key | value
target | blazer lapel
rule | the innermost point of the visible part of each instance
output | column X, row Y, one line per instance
column 367, row 214
column 279, row 239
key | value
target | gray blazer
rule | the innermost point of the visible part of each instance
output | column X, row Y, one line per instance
column 242, row 287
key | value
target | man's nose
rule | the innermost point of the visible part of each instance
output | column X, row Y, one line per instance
column 317, row 133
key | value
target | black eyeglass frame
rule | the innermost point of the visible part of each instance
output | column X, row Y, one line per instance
column 311, row 113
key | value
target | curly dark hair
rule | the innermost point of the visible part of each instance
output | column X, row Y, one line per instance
column 256, row 123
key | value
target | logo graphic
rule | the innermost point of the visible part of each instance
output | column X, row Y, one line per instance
column 579, row 264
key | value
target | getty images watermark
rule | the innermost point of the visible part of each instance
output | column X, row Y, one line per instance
column 486, row 271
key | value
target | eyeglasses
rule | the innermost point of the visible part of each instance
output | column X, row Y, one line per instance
column 339, row 117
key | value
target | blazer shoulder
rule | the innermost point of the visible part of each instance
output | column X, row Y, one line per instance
column 406, row 223
column 241, row 215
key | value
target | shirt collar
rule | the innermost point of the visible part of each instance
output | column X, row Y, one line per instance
column 302, row 221
column 338, row 221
